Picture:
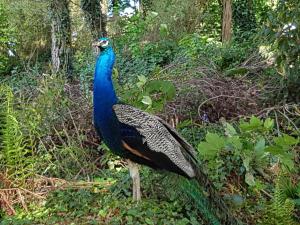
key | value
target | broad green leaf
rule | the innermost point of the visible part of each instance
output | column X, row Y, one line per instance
column 246, row 163
column 285, row 140
column 274, row 150
column 215, row 140
column 260, row 146
column 287, row 160
column 184, row 123
column 147, row 100
column 229, row 130
column 165, row 87
column 163, row 29
column 297, row 201
column 255, row 122
column 249, row 179
column 235, row 142
column 207, row 149
column 269, row 123
column 153, row 13
column 142, row 81
column 213, row 145
column 149, row 221
column 164, row 26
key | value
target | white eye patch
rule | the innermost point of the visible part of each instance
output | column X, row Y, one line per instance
column 103, row 43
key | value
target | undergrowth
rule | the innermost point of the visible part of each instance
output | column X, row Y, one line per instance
column 16, row 156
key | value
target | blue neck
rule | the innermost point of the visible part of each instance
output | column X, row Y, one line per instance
column 104, row 93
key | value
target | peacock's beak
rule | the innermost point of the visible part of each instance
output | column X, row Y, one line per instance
column 96, row 44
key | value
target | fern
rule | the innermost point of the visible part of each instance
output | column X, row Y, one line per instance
column 281, row 210
column 16, row 156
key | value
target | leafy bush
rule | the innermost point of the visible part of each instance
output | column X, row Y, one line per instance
column 283, row 30
column 148, row 94
column 136, row 55
column 283, row 33
column 210, row 52
column 247, row 149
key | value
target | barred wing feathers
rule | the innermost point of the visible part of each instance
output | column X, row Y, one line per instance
column 158, row 136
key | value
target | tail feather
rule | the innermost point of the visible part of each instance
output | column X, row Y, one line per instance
column 192, row 190
column 209, row 200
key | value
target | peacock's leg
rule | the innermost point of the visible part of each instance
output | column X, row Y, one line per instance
column 136, row 186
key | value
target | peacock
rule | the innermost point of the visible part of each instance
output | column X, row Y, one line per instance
column 142, row 138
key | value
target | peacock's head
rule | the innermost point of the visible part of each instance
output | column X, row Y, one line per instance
column 102, row 43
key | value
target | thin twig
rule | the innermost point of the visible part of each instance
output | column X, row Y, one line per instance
column 277, row 124
column 296, row 128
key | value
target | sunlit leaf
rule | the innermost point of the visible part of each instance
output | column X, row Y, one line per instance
column 249, row 179
column 147, row 100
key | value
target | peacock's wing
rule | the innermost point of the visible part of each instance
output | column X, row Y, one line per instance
column 149, row 137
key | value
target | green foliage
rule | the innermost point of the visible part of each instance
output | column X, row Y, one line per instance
column 6, row 41
column 247, row 149
column 282, row 31
column 16, row 156
column 148, row 94
column 244, row 18
column 211, row 23
column 212, row 53
column 84, row 69
column 136, row 55
column 31, row 25
column 282, row 208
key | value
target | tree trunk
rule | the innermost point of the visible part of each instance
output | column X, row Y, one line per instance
column 61, row 50
column 95, row 16
column 226, row 21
